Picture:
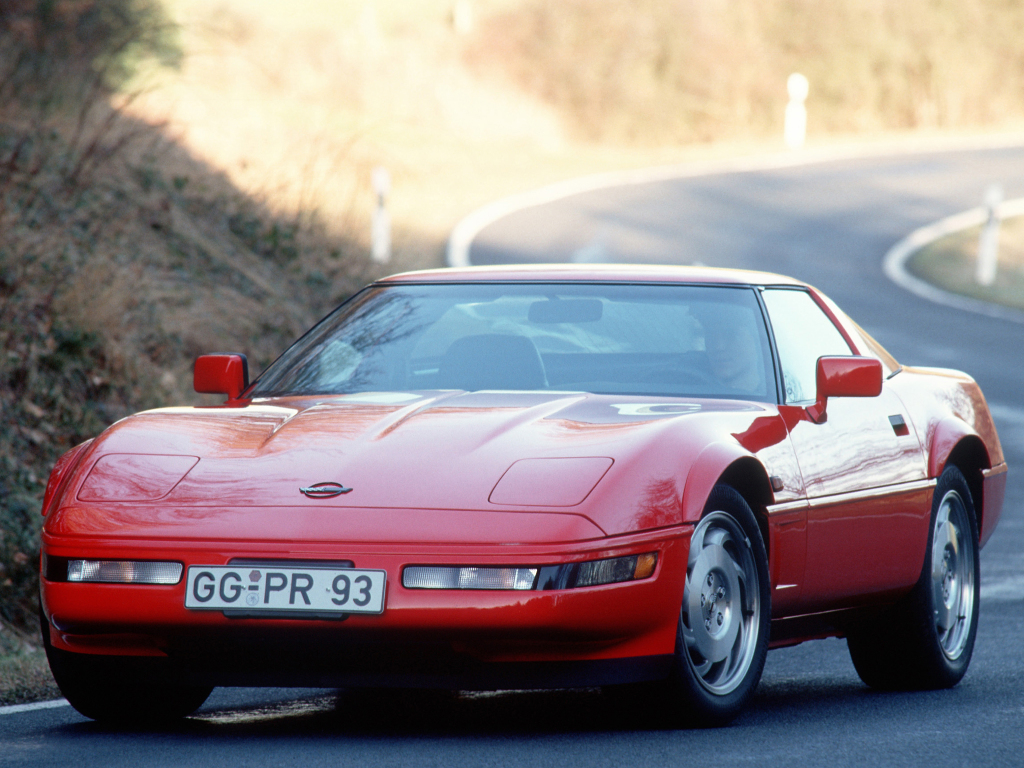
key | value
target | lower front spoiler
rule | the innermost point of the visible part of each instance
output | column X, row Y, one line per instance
column 375, row 665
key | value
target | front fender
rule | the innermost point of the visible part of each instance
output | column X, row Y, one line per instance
column 705, row 472
column 955, row 442
column 61, row 473
column 950, row 432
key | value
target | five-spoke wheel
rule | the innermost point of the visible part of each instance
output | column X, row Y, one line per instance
column 723, row 624
column 952, row 574
column 721, row 603
column 926, row 640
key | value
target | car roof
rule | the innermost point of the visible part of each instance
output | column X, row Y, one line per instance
column 612, row 273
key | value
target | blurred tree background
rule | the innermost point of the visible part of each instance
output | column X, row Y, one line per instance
column 179, row 176
column 655, row 71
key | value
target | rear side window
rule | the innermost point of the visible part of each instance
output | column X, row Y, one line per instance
column 803, row 333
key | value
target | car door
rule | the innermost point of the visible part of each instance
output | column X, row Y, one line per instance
column 863, row 468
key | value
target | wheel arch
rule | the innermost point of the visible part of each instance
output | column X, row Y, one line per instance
column 733, row 466
column 955, row 443
column 750, row 479
column 970, row 457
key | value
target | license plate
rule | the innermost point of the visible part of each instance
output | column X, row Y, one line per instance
column 273, row 589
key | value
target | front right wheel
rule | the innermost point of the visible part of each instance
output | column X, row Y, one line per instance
column 926, row 641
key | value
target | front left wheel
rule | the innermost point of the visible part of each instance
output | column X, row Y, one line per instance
column 724, row 621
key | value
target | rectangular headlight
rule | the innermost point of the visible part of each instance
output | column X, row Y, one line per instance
column 124, row 571
column 441, row 577
column 609, row 571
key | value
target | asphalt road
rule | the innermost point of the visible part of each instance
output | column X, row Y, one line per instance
column 829, row 224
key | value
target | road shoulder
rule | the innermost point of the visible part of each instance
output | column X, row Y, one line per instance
column 897, row 260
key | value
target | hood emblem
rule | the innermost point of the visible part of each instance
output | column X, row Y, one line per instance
column 324, row 490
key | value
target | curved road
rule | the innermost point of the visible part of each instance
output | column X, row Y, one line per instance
column 828, row 223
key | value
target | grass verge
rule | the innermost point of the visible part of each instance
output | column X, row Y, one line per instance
column 24, row 674
column 26, row 678
column 950, row 262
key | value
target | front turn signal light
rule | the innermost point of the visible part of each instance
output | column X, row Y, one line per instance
column 645, row 565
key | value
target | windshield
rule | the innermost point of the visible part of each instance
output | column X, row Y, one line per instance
column 669, row 340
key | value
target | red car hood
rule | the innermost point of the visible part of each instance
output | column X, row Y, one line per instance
column 551, row 452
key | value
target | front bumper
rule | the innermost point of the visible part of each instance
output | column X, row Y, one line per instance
column 472, row 638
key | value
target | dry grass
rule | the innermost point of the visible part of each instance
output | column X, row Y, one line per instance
column 297, row 104
column 123, row 256
column 24, row 674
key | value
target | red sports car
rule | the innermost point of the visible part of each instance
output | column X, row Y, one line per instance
column 532, row 477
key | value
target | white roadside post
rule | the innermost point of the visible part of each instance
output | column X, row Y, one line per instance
column 462, row 17
column 796, row 113
column 988, row 243
column 380, row 235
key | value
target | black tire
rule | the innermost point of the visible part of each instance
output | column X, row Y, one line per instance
column 117, row 690
column 725, row 618
column 925, row 642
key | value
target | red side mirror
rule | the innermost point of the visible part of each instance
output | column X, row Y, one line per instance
column 845, row 377
column 221, row 375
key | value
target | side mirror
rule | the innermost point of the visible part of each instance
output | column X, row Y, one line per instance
column 221, row 375
column 845, row 377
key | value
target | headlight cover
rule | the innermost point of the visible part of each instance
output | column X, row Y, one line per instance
column 134, row 477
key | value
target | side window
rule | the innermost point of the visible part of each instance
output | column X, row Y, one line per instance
column 803, row 333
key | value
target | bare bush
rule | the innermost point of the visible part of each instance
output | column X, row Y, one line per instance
column 114, row 275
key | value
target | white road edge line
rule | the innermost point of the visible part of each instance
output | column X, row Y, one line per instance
column 895, row 262
column 461, row 238
column 13, row 709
